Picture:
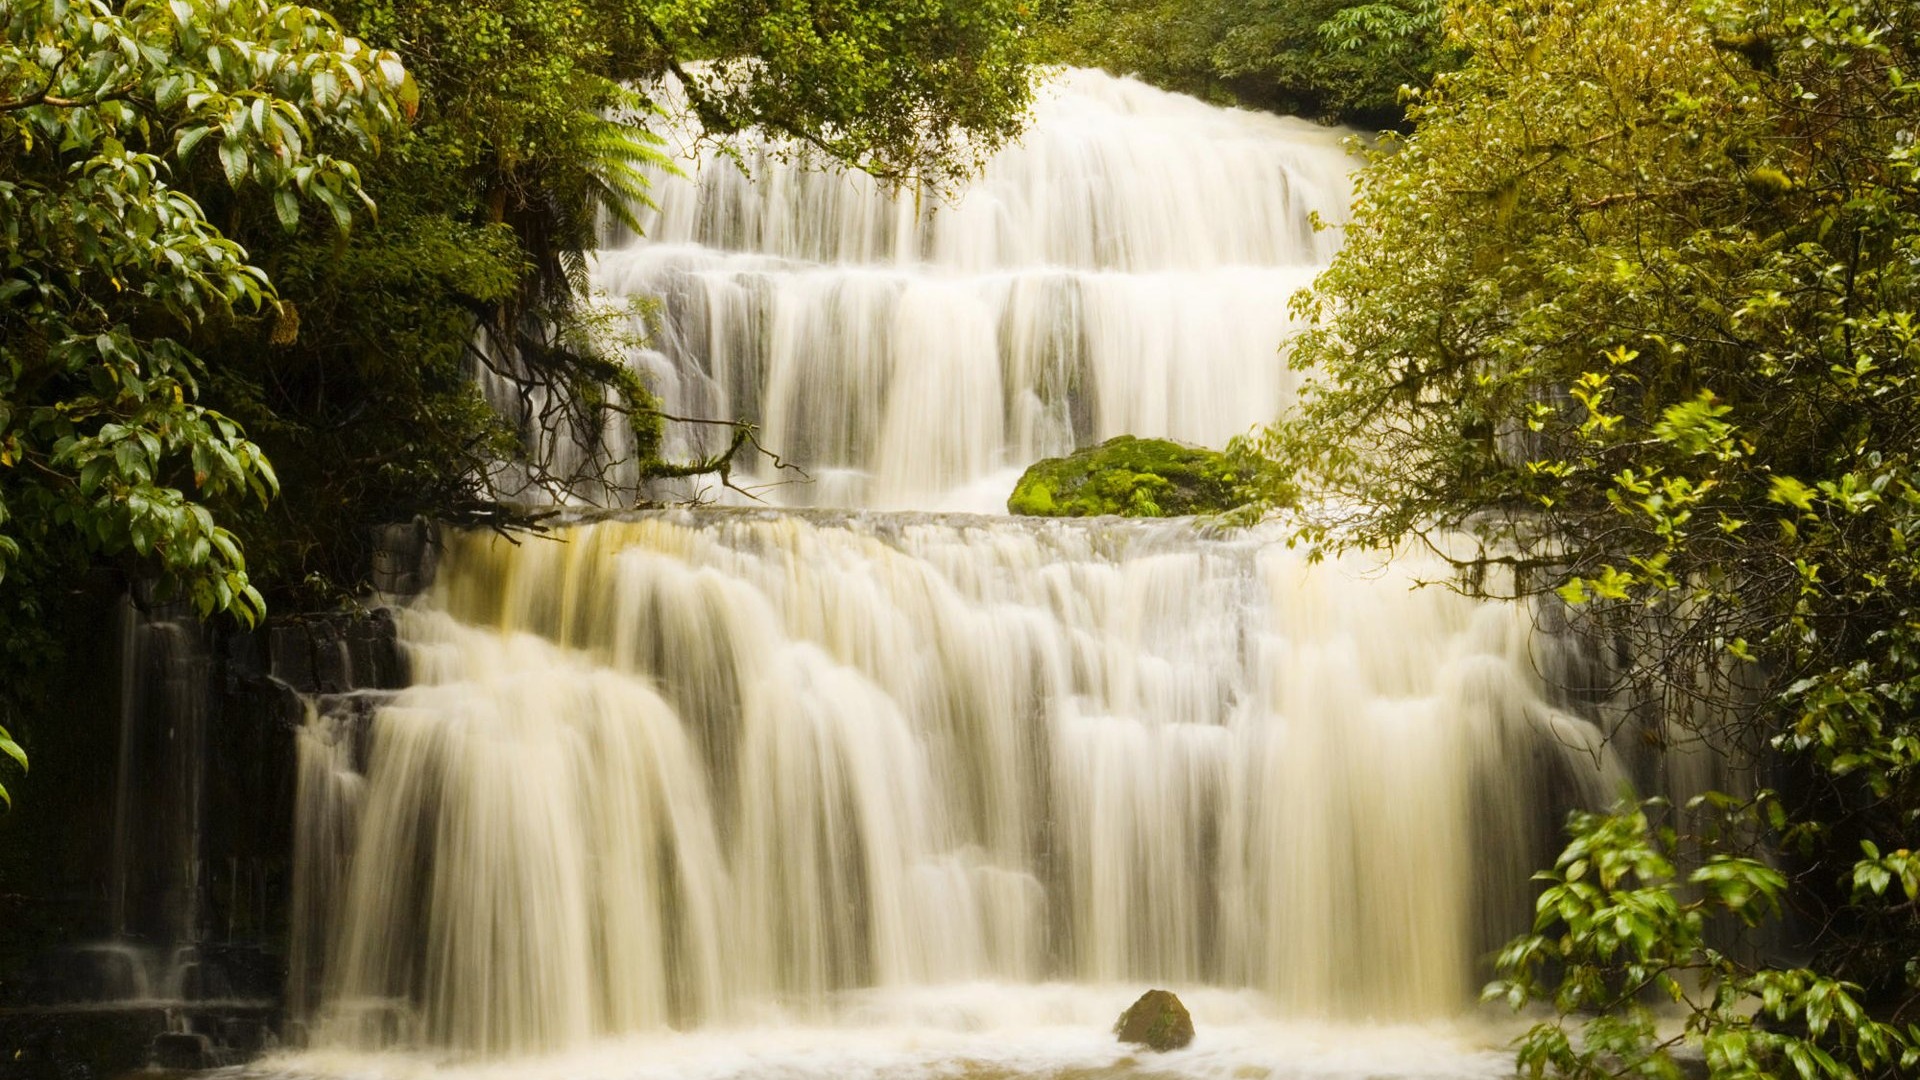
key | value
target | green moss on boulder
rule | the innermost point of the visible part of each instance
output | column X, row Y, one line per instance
column 1158, row 1021
column 1132, row 478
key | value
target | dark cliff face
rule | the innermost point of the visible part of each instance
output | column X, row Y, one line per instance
column 146, row 872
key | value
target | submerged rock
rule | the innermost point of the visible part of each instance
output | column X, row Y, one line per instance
column 1157, row 1021
column 1132, row 478
column 180, row 1050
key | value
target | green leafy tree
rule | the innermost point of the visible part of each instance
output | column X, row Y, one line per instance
column 911, row 89
column 1635, row 305
column 111, row 117
column 1323, row 58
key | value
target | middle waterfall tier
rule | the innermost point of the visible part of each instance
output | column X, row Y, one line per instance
column 686, row 767
column 1125, row 270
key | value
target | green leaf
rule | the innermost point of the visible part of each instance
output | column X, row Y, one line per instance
column 12, row 749
column 286, row 206
column 1790, row 492
column 234, row 161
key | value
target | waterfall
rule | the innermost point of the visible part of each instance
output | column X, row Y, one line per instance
column 1126, row 270
column 679, row 767
column 726, row 767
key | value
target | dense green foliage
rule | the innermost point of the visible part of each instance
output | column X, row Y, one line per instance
column 1332, row 59
column 903, row 88
column 112, row 118
column 1621, row 938
column 1132, row 477
column 1635, row 304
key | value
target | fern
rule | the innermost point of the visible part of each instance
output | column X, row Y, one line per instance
column 618, row 155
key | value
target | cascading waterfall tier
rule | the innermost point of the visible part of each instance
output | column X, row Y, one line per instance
column 1125, row 270
column 690, row 767
column 727, row 766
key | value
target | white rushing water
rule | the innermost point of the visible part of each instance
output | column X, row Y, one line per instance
column 691, row 768
column 1126, row 270
column 901, row 794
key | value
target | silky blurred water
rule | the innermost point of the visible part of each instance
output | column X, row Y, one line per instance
column 893, row 791
column 1125, row 270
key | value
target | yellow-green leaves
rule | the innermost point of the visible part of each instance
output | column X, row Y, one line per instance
column 1611, row 583
column 1698, row 426
column 1787, row 491
column 1875, row 873
column 12, row 750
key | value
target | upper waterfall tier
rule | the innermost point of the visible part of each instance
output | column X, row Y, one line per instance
column 1125, row 269
column 1113, row 175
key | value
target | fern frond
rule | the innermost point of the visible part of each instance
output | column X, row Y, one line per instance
column 573, row 267
column 618, row 156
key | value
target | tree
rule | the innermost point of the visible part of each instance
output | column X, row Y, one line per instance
column 1635, row 306
column 920, row 90
column 110, row 116
column 1330, row 59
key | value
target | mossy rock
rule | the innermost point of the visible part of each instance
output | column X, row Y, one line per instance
column 1131, row 478
column 1158, row 1021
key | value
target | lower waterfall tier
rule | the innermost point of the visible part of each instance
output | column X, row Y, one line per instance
column 678, row 769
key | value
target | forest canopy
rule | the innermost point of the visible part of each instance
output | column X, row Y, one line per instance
column 1323, row 59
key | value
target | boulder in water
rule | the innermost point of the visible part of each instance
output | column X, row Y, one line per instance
column 1131, row 478
column 1157, row 1021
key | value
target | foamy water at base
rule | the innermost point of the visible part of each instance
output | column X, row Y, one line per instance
column 979, row 1031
